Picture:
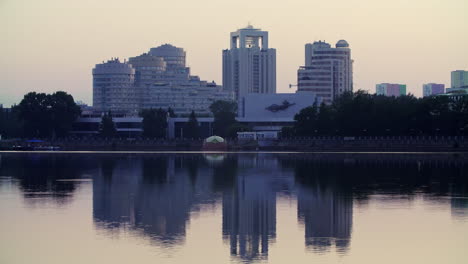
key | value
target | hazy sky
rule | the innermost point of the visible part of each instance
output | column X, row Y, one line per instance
column 52, row 45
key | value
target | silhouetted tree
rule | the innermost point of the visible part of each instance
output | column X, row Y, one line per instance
column 171, row 112
column 192, row 129
column 10, row 125
column 107, row 127
column 306, row 121
column 154, row 123
column 45, row 115
column 359, row 113
column 224, row 113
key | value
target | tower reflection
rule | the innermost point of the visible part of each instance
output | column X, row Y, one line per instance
column 327, row 217
column 249, row 206
column 324, row 204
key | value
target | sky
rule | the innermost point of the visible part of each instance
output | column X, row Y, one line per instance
column 52, row 45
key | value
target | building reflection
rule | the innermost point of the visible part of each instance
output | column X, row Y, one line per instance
column 149, row 195
column 155, row 195
column 459, row 199
column 249, row 207
column 324, row 202
column 327, row 216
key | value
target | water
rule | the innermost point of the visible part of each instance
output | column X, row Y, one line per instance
column 233, row 208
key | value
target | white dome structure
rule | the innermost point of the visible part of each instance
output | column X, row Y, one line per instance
column 214, row 139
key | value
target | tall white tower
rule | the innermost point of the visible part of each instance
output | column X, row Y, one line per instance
column 249, row 66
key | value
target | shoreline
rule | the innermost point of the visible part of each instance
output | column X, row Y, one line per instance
column 296, row 145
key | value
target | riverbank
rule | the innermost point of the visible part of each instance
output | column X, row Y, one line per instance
column 331, row 144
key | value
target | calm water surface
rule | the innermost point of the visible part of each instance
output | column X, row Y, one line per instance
column 233, row 208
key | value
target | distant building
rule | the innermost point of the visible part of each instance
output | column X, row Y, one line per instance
column 249, row 66
column 390, row 89
column 157, row 79
column 459, row 83
column 433, row 89
column 113, row 86
column 328, row 72
column 459, row 79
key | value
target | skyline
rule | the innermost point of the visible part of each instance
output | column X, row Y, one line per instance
column 53, row 45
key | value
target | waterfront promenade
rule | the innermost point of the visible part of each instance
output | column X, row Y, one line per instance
column 332, row 144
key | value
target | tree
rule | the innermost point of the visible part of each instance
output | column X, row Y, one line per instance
column 46, row 115
column 362, row 114
column 220, row 106
column 64, row 111
column 306, row 121
column 171, row 112
column 10, row 125
column 192, row 129
column 224, row 113
column 154, row 123
column 107, row 127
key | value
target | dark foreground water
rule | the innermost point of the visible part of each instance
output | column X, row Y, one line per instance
column 221, row 208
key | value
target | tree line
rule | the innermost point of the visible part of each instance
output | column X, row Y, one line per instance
column 352, row 114
column 362, row 114
column 40, row 115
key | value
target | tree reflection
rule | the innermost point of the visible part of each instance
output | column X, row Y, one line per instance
column 46, row 178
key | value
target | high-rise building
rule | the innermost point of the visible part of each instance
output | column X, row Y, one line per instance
column 433, row 89
column 113, row 86
column 249, row 66
column 459, row 79
column 328, row 72
column 390, row 89
column 159, row 79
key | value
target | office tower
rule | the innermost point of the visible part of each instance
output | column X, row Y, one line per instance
column 390, row 89
column 113, row 86
column 459, row 79
column 249, row 66
column 328, row 72
column 433, row 89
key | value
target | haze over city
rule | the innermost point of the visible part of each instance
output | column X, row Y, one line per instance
column 53, row 45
